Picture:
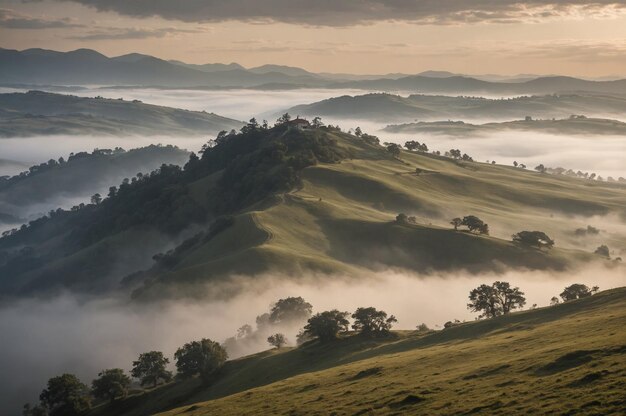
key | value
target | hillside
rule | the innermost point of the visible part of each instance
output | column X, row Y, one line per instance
column 38, row 113
column 290, row 201
column 568, row 358
column 46, row 186
column 389, row 107
column 570, row 126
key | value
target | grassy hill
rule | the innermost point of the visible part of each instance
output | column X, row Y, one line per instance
column 38, row 113
column 395, row 108
column 290, row 201
column 565, row 359
column 570, row 126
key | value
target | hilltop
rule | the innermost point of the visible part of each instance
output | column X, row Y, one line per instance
column 292, row 201
column 564, row 358
column 575, row 125
column 388, row 107
column 42, row 113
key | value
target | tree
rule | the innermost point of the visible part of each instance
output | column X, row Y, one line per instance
column 422, row 328
column 575, row 291
column 277, row 340
column 495, row 300
column 290, row 310
column 515, row 163
column 455, row 153
column 110, row 384
column 65, row 396
column 402, row 218
column 358, row 132
column 371, row 321
column 456, row 223
column 317, row 122
column 150, row 368
column 327, row 325
column 285, row 118
column 394, row 149
column 541, row 169
column 96, row 199
column 202, row 357
column 603, row 251
column 473, row 223
column 537, row 239
column 554, row 301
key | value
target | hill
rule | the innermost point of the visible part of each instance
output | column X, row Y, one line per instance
column 41, row 113
column 389, row 107
column 576, row 125
column 51, row 184
column 568, row 358
column 288, row 201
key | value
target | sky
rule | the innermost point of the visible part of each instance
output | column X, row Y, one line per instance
column 569, row 37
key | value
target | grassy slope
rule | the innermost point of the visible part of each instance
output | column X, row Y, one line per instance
column 341, row 220
column 566, row 359
column 41, row 113
column 586, row 126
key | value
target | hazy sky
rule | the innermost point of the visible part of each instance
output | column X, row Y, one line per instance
column 572, row 37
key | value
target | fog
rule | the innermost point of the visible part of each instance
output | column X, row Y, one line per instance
column 44, row 338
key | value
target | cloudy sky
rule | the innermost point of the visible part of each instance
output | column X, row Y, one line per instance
column 571, row 37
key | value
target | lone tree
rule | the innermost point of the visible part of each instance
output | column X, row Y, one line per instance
column 537, row 239
column 285, row 118
column 603, row 251
column 150, row 368
column 541, row 169
column 577, row 291
column 277, row 340
column 327, row 325
column 370, row 321
column 495, row 300
column 358, row 132
column 475, row 224
column 65, row 396
column 110, row 384
column 317, row 122
column 394, row 149
column 202, row 357
column 554, row 301
column 290, row 310
column 456, row 223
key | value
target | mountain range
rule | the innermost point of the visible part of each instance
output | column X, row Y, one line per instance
column 88, row 67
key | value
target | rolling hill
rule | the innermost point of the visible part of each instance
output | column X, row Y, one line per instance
column 389, row 107
column 569, row 126
column 568, row 358
column 38, row 113
column 291, row 201
column 46, row 186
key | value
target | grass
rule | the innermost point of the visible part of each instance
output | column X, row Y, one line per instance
column 341, row 220
column 566, row 359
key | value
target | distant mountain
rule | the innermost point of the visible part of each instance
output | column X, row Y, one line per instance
column 88, row 67
column 577, row 125
column 84, row 66
column 41, row 113
column 390, row 108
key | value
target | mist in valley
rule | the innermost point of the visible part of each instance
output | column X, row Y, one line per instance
column 47, row 337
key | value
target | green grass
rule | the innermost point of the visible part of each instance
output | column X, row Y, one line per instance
column 566, row 359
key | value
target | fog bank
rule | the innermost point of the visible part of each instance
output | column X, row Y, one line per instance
column 44, row 338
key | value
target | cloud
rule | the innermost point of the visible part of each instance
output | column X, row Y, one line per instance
column 354, row 12
column 10, row 19
column 103, row 33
